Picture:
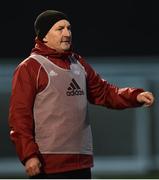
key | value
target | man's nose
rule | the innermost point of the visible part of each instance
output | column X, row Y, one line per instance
column 67, row 32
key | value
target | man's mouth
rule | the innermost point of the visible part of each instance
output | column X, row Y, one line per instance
column 66, row 42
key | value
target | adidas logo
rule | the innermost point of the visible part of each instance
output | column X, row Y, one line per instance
column 74, row 89
column 53, row 73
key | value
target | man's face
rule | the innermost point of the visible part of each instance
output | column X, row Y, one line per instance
column 59, row 36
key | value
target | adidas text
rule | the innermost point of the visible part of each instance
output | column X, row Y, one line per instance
column 75, row 93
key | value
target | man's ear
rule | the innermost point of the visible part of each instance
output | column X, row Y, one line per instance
column 45, row 39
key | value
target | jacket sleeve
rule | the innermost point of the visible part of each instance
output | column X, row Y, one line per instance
column 101, row 92
column 21, row 113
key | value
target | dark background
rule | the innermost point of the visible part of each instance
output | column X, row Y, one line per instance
column 109, row 29
column 100, row 27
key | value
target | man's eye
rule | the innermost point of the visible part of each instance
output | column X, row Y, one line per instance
column 59, row 29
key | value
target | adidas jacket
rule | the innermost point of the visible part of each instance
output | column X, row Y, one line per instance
column 29, row 79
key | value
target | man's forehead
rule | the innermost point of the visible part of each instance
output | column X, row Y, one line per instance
column 62, row 23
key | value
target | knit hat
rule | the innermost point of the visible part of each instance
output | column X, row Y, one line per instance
column 46, row 20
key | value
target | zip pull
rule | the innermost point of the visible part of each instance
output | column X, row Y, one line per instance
column 72, row 59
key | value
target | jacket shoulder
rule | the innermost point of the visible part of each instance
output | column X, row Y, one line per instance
column 28, row 63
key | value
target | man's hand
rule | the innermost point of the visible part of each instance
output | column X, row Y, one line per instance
column 146, row 98
column 32, row 166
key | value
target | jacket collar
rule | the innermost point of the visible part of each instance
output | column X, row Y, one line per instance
column 42, row 49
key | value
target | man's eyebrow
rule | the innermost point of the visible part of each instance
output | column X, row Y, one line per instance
column 61, row 26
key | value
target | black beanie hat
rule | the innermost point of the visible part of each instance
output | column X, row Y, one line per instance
column 46, row 20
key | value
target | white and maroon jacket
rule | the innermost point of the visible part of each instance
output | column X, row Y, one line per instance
column 30, row 82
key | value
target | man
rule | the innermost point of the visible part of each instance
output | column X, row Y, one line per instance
column 48, row 107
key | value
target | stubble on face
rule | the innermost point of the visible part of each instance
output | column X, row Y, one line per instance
column 66, row 43
column 60, row 37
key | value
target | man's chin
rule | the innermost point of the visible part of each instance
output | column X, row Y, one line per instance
column 67, row 48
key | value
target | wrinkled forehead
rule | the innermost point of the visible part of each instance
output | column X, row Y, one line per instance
column 62, row 23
